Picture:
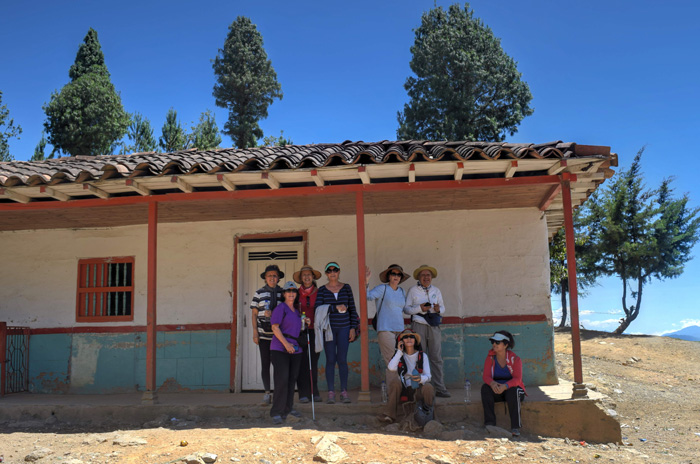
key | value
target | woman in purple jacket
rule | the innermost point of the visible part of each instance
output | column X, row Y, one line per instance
column 285, row 353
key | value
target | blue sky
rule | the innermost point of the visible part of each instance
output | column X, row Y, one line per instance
column 622, row 74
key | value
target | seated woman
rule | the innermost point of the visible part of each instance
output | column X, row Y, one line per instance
column 413, row 368
column 285, row 353
column 503, row 381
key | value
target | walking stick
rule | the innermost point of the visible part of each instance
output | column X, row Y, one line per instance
column 311, row 376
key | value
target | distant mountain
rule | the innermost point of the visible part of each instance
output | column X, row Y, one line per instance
column 691, row 333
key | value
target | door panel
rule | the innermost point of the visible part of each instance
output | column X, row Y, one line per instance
column 289, row 256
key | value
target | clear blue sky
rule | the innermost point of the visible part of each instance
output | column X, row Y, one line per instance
column 623, row 74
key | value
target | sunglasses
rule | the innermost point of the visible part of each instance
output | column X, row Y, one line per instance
column 395, row 274
column 332, row 269
column 408, row 336
column 498, row 342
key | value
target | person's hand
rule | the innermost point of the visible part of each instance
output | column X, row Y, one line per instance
column 290, row 348
column 401, row 346
column 495, row 386
column 255, row 337
column 368, row 274
column 341, row 308
column 352, row 335
column 425, row 307
column 436, row 308
column 415, row 378
column 307, row 322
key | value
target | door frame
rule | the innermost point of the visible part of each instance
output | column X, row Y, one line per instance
column 234, row 368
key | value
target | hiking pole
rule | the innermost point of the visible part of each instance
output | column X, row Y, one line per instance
column 311, row 375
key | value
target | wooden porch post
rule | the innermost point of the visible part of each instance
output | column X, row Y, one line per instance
column 579, row 389
column 3, row 359
column 362, row 295
column 150, row 395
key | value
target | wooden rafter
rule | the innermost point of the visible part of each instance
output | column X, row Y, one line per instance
column 96, row 191
column 182, row 184
column 270, row 180
column 317, row 178
column 136, row 186
column 459, row 170
column 364, row 175
column 558, row 167
column 412, row 173
column 227, row 184
column 53, row 193
column 12, row 195
column 512, row 167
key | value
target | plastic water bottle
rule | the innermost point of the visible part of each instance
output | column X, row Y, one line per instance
column 467, row 391
column 303, row 321
column 385, row 394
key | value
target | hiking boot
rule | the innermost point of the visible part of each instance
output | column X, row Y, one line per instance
column 267, row 399
column 317, row 398
column 277, row 420
column 303, row 400
column 344, row 398
column 515, row 432
column 331, row 397
column 294, row 413
column 443, row 394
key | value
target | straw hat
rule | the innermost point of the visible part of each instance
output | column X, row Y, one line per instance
column 395, row 267
column 306, row 267
column 272, row 267
column 425, row 267
column 407, row 332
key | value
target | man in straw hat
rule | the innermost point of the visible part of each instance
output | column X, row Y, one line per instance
column 424, row 304
column 413, row 369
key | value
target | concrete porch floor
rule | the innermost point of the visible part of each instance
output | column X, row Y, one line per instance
column 547, row 410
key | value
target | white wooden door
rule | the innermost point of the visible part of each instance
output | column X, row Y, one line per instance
column 289, row 256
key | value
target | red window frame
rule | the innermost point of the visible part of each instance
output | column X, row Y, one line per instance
column 98, row 299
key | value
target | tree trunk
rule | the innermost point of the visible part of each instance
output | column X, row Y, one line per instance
column 633, row 311
column 564, row 289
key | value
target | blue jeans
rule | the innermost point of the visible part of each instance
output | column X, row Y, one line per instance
column 337, row 352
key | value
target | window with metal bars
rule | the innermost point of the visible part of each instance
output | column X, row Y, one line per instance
column 105, row 289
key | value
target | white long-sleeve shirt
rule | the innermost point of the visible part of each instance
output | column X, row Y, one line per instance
column 411, row 360
column 416, row 296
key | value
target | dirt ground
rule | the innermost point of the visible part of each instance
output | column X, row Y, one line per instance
column 652, row 383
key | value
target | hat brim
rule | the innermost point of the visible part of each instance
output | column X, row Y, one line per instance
column 402, row 334
column 297, row 275
column 279, row 273
column 383, row 276
column 432, row 270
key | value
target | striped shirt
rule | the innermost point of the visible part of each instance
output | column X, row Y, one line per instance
column 263, row 300
column 339, row 320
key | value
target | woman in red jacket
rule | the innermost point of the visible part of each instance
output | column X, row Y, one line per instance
column 503, row 381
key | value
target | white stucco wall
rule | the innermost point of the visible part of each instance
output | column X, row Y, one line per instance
column 491, row 262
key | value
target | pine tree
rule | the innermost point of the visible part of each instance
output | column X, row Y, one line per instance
column 638, row 234
column 173, row 136
column 465, row 86
column 205, row 135
column 86, row 117
column 140, row 133
column 40, row 149
column 8, row 129
column 272, row 141
column 246, row 83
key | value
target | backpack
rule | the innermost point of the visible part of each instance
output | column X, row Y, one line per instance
column 423, row 414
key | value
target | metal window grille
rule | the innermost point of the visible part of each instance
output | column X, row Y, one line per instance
column 105, row 289
column 15, row 369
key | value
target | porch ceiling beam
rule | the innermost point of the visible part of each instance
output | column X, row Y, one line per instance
column 412, row 173
column 96, row 191
column 459, row 170
column 270, row 180
column 227, row 184
column 364, row 175
column 53, row 193
column 182, row 184
column 317, row 178
column 512, row 167
column 558, row 167
column 290, row 192
column 549, row 197
column 136, row 186
column 18, row 197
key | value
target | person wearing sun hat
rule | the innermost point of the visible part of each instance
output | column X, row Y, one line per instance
column 263, row 302
column 307, row 384
column 412, row 366
column 503, row 381
column 390, row 300
column 425, row 305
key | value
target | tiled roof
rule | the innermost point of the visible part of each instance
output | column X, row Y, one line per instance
column 86, row 169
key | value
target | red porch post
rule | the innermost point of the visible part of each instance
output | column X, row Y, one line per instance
column 362, row 295
column 579, row 388
column 3, row 359
column 150, row 396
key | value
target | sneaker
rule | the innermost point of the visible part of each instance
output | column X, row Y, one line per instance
column 443, row 394
column 277, row 420
column 331, row 397
column 303, row 400
column 317, row 398
column 344, row 398
column 515, row 432
column 267, row 399
column 294, row 413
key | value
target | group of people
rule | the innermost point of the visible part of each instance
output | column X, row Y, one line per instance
column 295, row 322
